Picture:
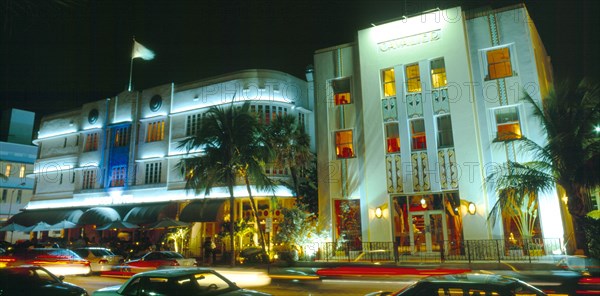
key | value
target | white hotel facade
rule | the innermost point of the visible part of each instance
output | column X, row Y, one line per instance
column 115, row 159
column 411, row 117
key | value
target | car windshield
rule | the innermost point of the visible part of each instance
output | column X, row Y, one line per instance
column 101, row 252
column 25, row 276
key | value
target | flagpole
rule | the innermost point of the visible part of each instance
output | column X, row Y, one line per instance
column 131, row 64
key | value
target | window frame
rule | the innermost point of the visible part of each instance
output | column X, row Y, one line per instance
column 439, row 131
column 508, row 136
column 388, row 142
column 433, row 75
column 391, row 83
column 155, row 131
column 417, row 135
column 486, row 63
column 340, row 146
column 413, row 80
column 343, row 86
column 153, row 173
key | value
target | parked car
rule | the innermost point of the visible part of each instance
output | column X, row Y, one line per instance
column 101, row 259
column 473, row 284
column 56, row 260
column 161, row 259
column 35, row 280
column 180, row 281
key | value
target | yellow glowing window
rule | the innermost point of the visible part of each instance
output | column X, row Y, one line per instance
column 341, row 91
column 507, row 124
column 453, row 292
column 499, row 63
column 417, row 132
column 438, row 73
column 7, row 170
column 22, row 171
column 343, row 144
column 389, row 83
column 413, row 78
column 156, row 131
column 392, row 138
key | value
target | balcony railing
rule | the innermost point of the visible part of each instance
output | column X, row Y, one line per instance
column 530, row 250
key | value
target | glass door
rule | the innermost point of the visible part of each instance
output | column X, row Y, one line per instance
column 429, row 231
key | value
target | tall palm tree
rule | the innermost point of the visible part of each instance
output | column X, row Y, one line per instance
column 570, row 155
column 220, row 142
column 291, row 145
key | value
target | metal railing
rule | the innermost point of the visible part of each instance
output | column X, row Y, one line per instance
column 528, row 250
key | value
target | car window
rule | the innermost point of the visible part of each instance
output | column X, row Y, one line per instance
column 44, row 277
column 101, row 252
column 210, row 282
column 155, row 286
column 173, row 255
column 132, row 287
column 152, row 256
column 81, row 252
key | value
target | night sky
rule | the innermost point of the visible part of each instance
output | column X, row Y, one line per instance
column 56, row 55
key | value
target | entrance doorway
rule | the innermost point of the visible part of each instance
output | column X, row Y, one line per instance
column 429, row 232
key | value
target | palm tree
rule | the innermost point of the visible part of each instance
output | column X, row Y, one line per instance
column 291, row 145
column 222, row 139
column 568, row 158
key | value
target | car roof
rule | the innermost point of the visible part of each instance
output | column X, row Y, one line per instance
column 472, row 278
column 174, row 272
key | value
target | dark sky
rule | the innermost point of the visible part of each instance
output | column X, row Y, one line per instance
column 58, row 54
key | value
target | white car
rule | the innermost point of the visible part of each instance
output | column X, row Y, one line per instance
column 101, row 259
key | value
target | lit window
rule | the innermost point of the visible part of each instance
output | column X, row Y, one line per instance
column 413, row 78
column 7, row 169
column 22, row 171
column 343, row 144
column 121, row 137
column 389, row 83
column 89, row 179
column 91, row 142
column 498, row 61
column 417, row 132
column 438, row 73
column 156, row 131
column 118, row 175
column 153, row 172
column 392, row 138
column 341, row 91
column 507, row 124
column 444, row 128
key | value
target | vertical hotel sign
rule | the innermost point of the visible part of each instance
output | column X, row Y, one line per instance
column 411, row 40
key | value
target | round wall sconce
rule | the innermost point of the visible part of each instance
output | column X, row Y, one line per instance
column 423, row 203
column 378, row 212
column 472, row 208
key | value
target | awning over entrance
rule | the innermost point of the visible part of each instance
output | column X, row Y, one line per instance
column 99, row 216
column 145, row 214
column 53, row 216
column 205, row 210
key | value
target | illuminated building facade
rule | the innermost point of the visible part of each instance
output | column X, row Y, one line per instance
column 413, row 115
column 17, row 157
column 115, row 159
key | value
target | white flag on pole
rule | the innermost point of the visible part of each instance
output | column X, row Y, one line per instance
column 140, row 51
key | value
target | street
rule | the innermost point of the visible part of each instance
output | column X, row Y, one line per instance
column 277, row 287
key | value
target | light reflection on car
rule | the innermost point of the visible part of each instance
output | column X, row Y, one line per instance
column 101, row 259
column 473, row 284
column 181, row 281
column 56, row 260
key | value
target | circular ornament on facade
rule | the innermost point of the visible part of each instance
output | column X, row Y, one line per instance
column 93, row 116
column 155, row 103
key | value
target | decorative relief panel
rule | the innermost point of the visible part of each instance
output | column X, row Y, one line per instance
column 414, row 105
column 440, row 101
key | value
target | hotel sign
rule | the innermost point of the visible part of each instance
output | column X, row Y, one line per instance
column 410, row 40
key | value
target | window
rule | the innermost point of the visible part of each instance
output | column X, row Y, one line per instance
column 417, row 133
column 91, row 142
column 192, row 124
column 413, row 78
column 343, row 144
column 7, row 169
column 153, row 172
column 444, row 129
column 438, row 73
column 508, row 126
column 118, row 175
column 22, row 171
column 267, row 115
column 89, row 179
column 389, row 82
column 156, row 131
column 301, row 121
column 341, row 91
column 73, row 177
column 392, row 138
column 121, row 137
column 4, row 195
column 498, row 63
column 19, row 196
